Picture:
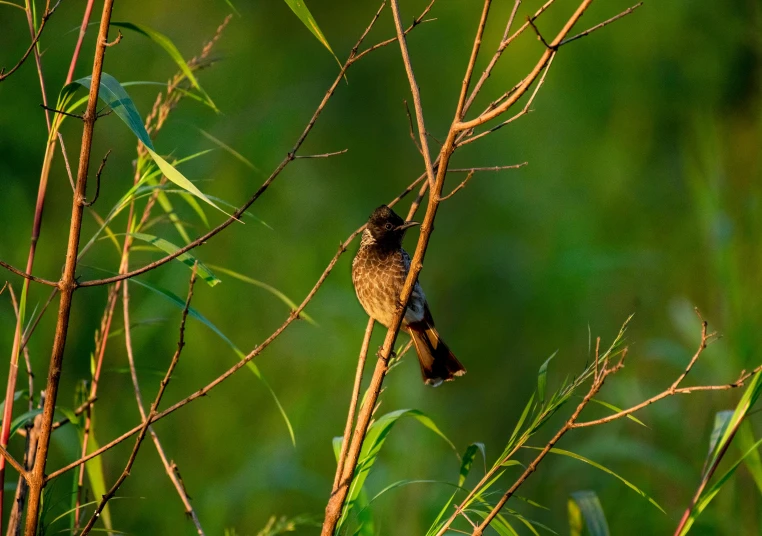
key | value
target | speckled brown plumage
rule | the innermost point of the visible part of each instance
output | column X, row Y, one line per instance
column 379, row 271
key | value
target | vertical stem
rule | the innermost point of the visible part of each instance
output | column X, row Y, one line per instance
column 353, row 402
column 68, row 284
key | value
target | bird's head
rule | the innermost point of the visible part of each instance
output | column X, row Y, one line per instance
column 386, row 227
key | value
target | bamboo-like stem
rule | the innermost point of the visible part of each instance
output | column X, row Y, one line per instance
column 67, row 284
column 353, row 402
column 80, row 38
column 339, row 495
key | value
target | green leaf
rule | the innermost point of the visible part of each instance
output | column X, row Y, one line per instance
column 585, row 505
column 179, row 302
column 745, row 438
column 114, row 95
column 301, row 11
column 721, row 421
column 604, row 469
column 374, row 441
column 179, row 179
column 164, row 42
column 272, row 290
column 542, row 377
column 22, row 419
column 186, row 258
column 749, row 398
column 94, row 469
column 238, row 156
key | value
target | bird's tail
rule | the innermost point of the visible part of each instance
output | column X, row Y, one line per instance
column 438, row 363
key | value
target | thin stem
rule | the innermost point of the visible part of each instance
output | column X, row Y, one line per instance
column 45, row 16
column 147, row 421
column 68, row 282
column 414, row 90
column 353, row 402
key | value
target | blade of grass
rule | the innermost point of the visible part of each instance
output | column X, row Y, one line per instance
column 166, row 43
column 584, row 504
column 269, row 288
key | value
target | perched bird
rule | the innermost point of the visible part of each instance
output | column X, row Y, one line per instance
column 379, row 271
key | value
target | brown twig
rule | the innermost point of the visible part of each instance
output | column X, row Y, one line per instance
column 458, row 187
column 424, row 145
column 524, row 111
column 45, row 16
column 80, row 38
column 529, row 80
column 594, row 388
column 25, row 275
column 324, row 155
column 169, row 467
column 67, row 284
column 97, row 181
column 601, row 25
column 674, row 389
column 101, row 340
column 411, row 130
column 147, row 421
column 353, row 402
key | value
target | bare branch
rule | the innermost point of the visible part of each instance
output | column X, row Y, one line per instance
column 414, row 90
column 27, row 276
column 97, row 181
column 601, row 25
column 324, row 155
column 45, row 16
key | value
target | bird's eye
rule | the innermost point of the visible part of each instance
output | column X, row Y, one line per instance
column 388, row 226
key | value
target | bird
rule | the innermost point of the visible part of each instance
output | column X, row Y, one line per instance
column 379, row 270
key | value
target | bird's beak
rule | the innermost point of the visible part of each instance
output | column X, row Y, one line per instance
column 407, row 225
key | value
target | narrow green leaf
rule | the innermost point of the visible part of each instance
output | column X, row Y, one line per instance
column 178, row 178
column 721, row 421
column 22, row 419
column 710, row 494
column 169, row 210
column 585, row 505
column 94, row 469
column 238, row 156
column 186, row 258
column 604, row 469
column 179, row 302
column 301, row 11
column 374, row 441
column 164, row 42
column 272, row 290
column 188, row 198
column 745, row 438
column 542, row 377
column 466, row 462
column 115, row 96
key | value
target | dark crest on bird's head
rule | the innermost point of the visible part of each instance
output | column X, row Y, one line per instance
column 386, row 227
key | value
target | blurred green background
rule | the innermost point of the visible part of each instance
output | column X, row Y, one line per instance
column 642, row 195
